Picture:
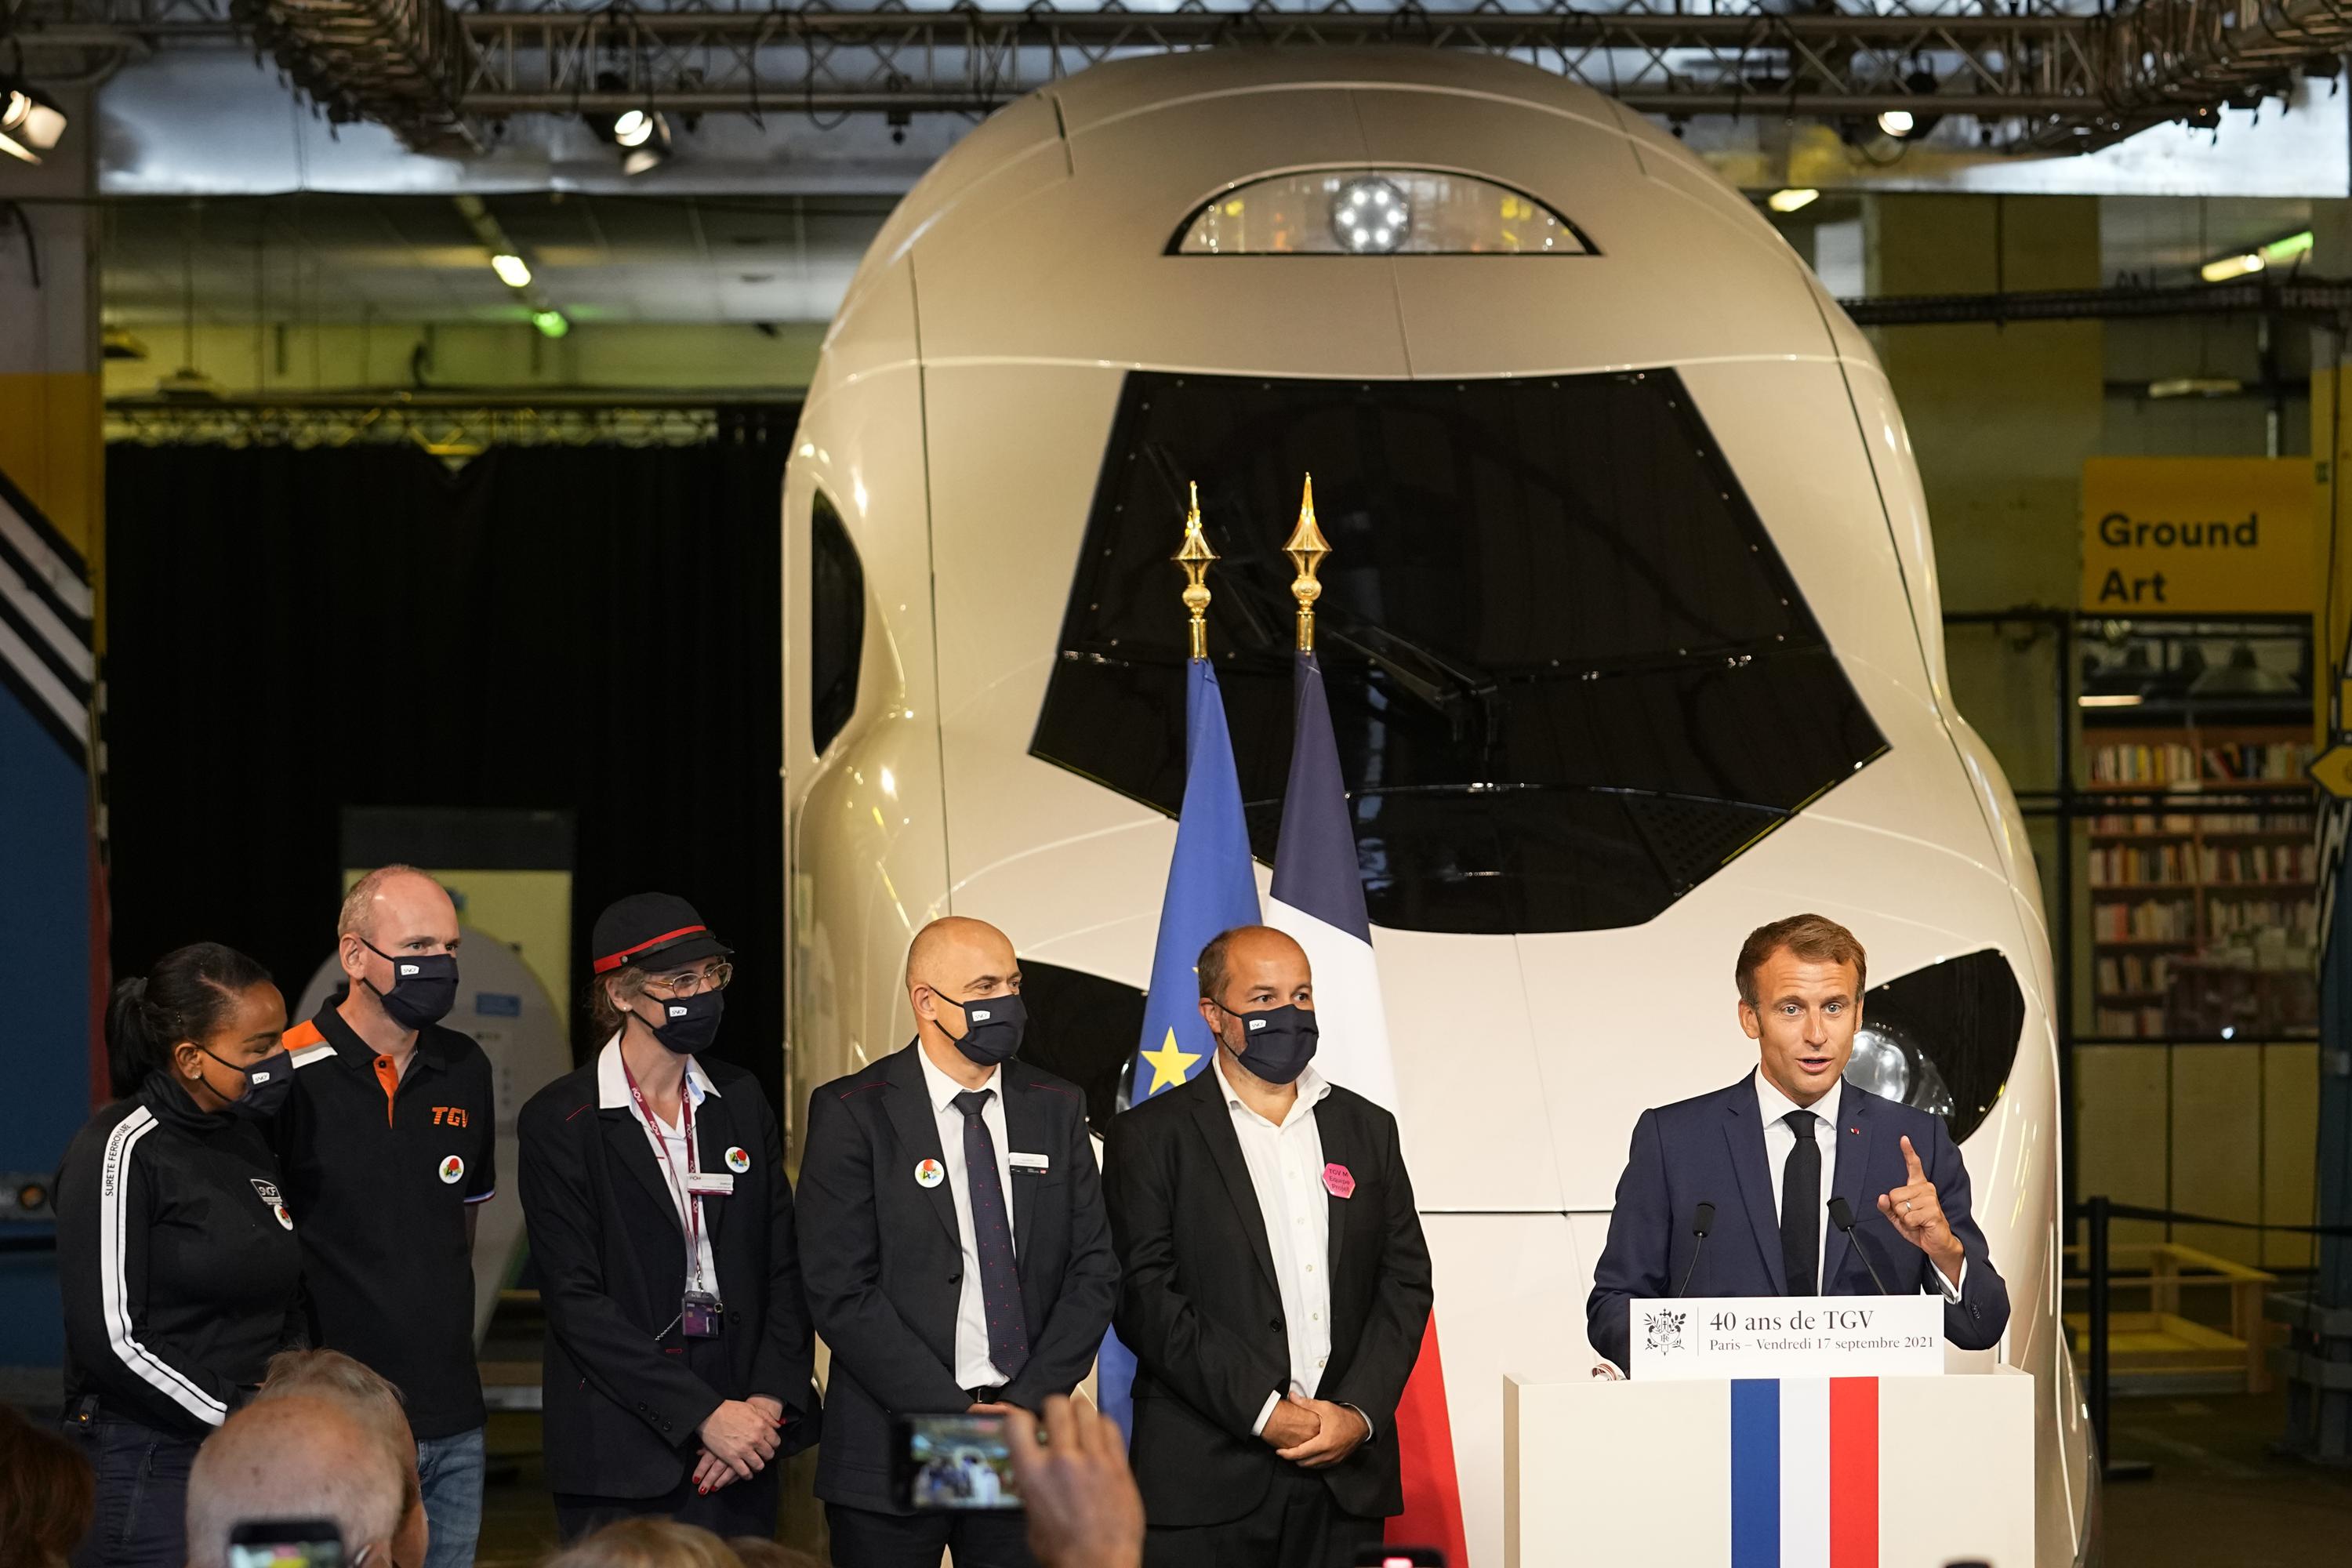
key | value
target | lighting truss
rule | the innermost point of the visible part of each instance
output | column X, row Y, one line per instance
column 2039, row 74
column 452, row 429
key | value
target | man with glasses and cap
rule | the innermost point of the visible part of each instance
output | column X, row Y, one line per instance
column 679, row 1356
column 957, row 1252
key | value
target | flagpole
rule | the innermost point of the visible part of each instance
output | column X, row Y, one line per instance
column 1195, row 556
column 1307, row 547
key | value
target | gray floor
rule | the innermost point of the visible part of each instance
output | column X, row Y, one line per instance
column 2220, row 1496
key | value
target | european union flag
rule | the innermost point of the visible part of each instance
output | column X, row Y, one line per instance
column 1210, row 888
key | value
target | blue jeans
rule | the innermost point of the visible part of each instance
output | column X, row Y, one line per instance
column 449, row 1471
column 142, row 1491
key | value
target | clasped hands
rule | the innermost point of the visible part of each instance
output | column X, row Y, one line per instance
column 738, row 1439
column 1918, row 1216
column 1314, row 1433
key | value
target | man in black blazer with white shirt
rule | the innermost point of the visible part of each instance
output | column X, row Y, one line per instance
column 954, row 1245
column 1275, row 1285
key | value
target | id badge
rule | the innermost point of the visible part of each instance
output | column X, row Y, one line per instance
column 697, row 1317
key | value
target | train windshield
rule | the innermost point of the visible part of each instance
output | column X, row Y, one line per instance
column 1570, row 675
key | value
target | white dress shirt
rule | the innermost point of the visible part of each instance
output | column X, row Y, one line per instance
column 1781, row 1140
column 1285, row 1171
column 612, row 1092
column 972, row 1367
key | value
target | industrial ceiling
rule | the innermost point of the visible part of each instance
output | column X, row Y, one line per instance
column 2013, row 76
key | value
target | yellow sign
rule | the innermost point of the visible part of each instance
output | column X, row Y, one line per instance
column 2332, row 770
column 2197, row 536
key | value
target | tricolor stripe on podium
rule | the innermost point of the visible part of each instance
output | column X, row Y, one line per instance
column 1805, row 1472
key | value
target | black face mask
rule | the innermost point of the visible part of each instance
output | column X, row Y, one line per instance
column 424, row 986
column 991, row 1027
column 689, row 1023
column 267, row 1082
column 1278, row 1043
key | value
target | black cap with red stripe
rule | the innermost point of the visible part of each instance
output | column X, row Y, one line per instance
column 652, row 931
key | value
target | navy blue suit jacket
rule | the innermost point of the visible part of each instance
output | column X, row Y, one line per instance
column 1711, row 1149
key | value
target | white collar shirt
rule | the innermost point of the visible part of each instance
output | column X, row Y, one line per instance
column 613, row 1093
column 973, row 1369
column 1781, row 1140
column 1285, row 1171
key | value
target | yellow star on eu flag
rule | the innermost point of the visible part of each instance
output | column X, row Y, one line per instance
column 1168, row 1064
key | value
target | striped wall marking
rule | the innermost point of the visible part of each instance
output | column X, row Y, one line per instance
column 42, row 681
column 72, row 647
column 1755, row 1473
column 61, row 577
column 1854, row 1472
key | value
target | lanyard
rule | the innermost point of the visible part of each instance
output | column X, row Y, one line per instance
column 689, row 1203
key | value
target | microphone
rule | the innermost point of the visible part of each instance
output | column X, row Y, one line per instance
column 1702, row 1221
column 1842, row 1216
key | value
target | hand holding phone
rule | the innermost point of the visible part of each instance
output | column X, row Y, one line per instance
column 1084, row 1508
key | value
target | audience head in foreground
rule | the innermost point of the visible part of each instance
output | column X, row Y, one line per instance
column 363, row 1394
column 647, row 1544
column 299, row 1456
column 758, row 1553
column 46, row 1495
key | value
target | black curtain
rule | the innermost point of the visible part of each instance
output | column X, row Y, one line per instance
column 594, row 629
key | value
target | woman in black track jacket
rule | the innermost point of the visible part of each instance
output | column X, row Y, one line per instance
column 175, row 1253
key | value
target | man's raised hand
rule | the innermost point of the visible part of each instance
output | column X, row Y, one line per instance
column 1917, row 1215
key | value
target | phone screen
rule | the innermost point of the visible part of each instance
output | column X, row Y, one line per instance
column 955, row 1462
column 285, row 1543
column 328, row 1554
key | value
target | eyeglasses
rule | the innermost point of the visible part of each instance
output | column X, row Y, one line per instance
column 691, row 982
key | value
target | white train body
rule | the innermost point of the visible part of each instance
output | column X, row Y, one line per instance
column 1023, row 371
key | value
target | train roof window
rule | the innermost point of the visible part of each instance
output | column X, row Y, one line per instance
column 837, row 623
column 1571, row 675
column 1375, row 212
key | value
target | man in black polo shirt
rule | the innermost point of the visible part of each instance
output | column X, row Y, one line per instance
column 385, row 1144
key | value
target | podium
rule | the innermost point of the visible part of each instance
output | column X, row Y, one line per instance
column 1769, row 1472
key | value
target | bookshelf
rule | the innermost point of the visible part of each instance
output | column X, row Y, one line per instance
column 2202, row 921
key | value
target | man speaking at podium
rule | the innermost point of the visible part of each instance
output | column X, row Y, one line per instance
column 1732, row 1193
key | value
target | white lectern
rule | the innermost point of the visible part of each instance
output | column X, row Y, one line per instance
column 1769, row 1472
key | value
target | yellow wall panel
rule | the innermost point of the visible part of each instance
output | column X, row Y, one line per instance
column 2119, row 1128
column 2217, row 1116
column 2290, row 1148
column 52, row 448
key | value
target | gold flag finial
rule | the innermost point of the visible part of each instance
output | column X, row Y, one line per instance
column 1307, row 547
column 1194, row 556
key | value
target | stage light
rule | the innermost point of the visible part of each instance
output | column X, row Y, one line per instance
column 512, row 270
column 29, row 123
column 2229, row 267
column 1794, row 199
column 634, row 128
column 1897, row 123
column 551, row 324
column 2279, row 252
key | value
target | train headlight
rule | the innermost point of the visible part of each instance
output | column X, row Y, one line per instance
column 1887, row 1064
column 1370, row 216
column 1942, row 1038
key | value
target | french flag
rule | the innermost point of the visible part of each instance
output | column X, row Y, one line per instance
column 1805, row 1472
column 1318, row 897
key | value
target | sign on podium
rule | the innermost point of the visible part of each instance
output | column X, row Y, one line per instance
column 1788, row 1336
column 1774, row 1433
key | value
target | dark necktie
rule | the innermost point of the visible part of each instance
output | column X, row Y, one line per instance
column 1801, row 1207
column 991, row 1233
